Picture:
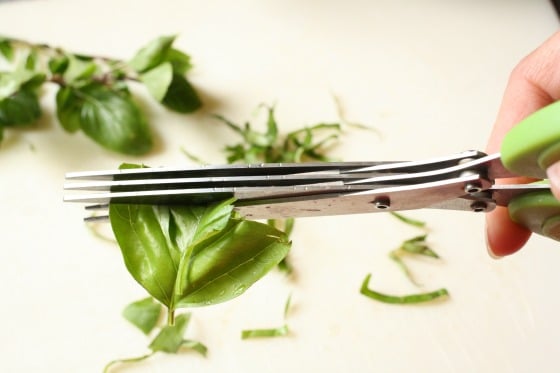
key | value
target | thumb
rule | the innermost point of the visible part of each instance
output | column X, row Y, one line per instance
column 553, row 174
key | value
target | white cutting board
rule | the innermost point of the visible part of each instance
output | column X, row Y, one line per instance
column 428, row 75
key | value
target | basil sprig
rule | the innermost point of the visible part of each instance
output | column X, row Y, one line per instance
column 188, row 256
column 93, row 94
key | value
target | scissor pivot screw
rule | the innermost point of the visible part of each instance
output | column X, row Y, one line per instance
column 382, row 203
column 479, row 206
column 474, row 187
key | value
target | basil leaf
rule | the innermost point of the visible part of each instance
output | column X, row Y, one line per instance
column 79, row 69
column 13, row 81
column 181, row 95
column 152, row 54
column 109, row 117
column 21, row 108
column 144, row 314
column 31, row 60
column 144, row 235
column 180, row 61
column 6, row 49
column 170, row 338
column 58, row 64
column 194, row 255
column 158, row 79
column 69, row 109
column 223, row 266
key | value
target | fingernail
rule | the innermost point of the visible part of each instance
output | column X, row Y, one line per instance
column 553, row 174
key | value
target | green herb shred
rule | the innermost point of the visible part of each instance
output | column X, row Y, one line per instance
column 402, row 299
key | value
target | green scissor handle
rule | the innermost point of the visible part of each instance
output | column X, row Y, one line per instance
column 527, row 150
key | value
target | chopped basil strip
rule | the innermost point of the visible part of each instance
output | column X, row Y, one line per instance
column 261, row 333
column 401, row 299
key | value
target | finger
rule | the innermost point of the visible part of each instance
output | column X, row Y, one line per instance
column 533, row 84
column 503, row 236
column 553, row 174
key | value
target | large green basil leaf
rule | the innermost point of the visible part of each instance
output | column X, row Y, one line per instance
column 223, row 266
column 146, row 235
column 194, row 255
column 109, row 117
column 152, row 54
column 21, row 108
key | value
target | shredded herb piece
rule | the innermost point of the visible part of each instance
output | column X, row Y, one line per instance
column 402, row 299
column 309, row 143
column 414, row 246
column 270, row 332
column 169, row 339
column 409, row 221
column 260, row 333
column 130, row 360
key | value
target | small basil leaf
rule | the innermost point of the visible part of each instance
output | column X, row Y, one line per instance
column 109, row 117
column 69, row 109
column 11, row 82
column 152, row 54
column 21, row 108
column 180, row 61
column 223, row 266
column 170, row 338
column 158, row 79
column 34, row 82
column 58, row 64
column 6, row 49
column 31, row 60
column 79, row 69
column 181, row 96
column 144, row 314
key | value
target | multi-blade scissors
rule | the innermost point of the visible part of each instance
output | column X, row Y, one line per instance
column 467, row 181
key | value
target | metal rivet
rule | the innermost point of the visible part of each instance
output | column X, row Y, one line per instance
column 473, row 187
column 382, row 203
column 479, row 206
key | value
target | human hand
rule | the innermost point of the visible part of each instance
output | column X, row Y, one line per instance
column 533, row 84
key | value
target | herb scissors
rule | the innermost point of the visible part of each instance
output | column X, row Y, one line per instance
column 463, row 181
